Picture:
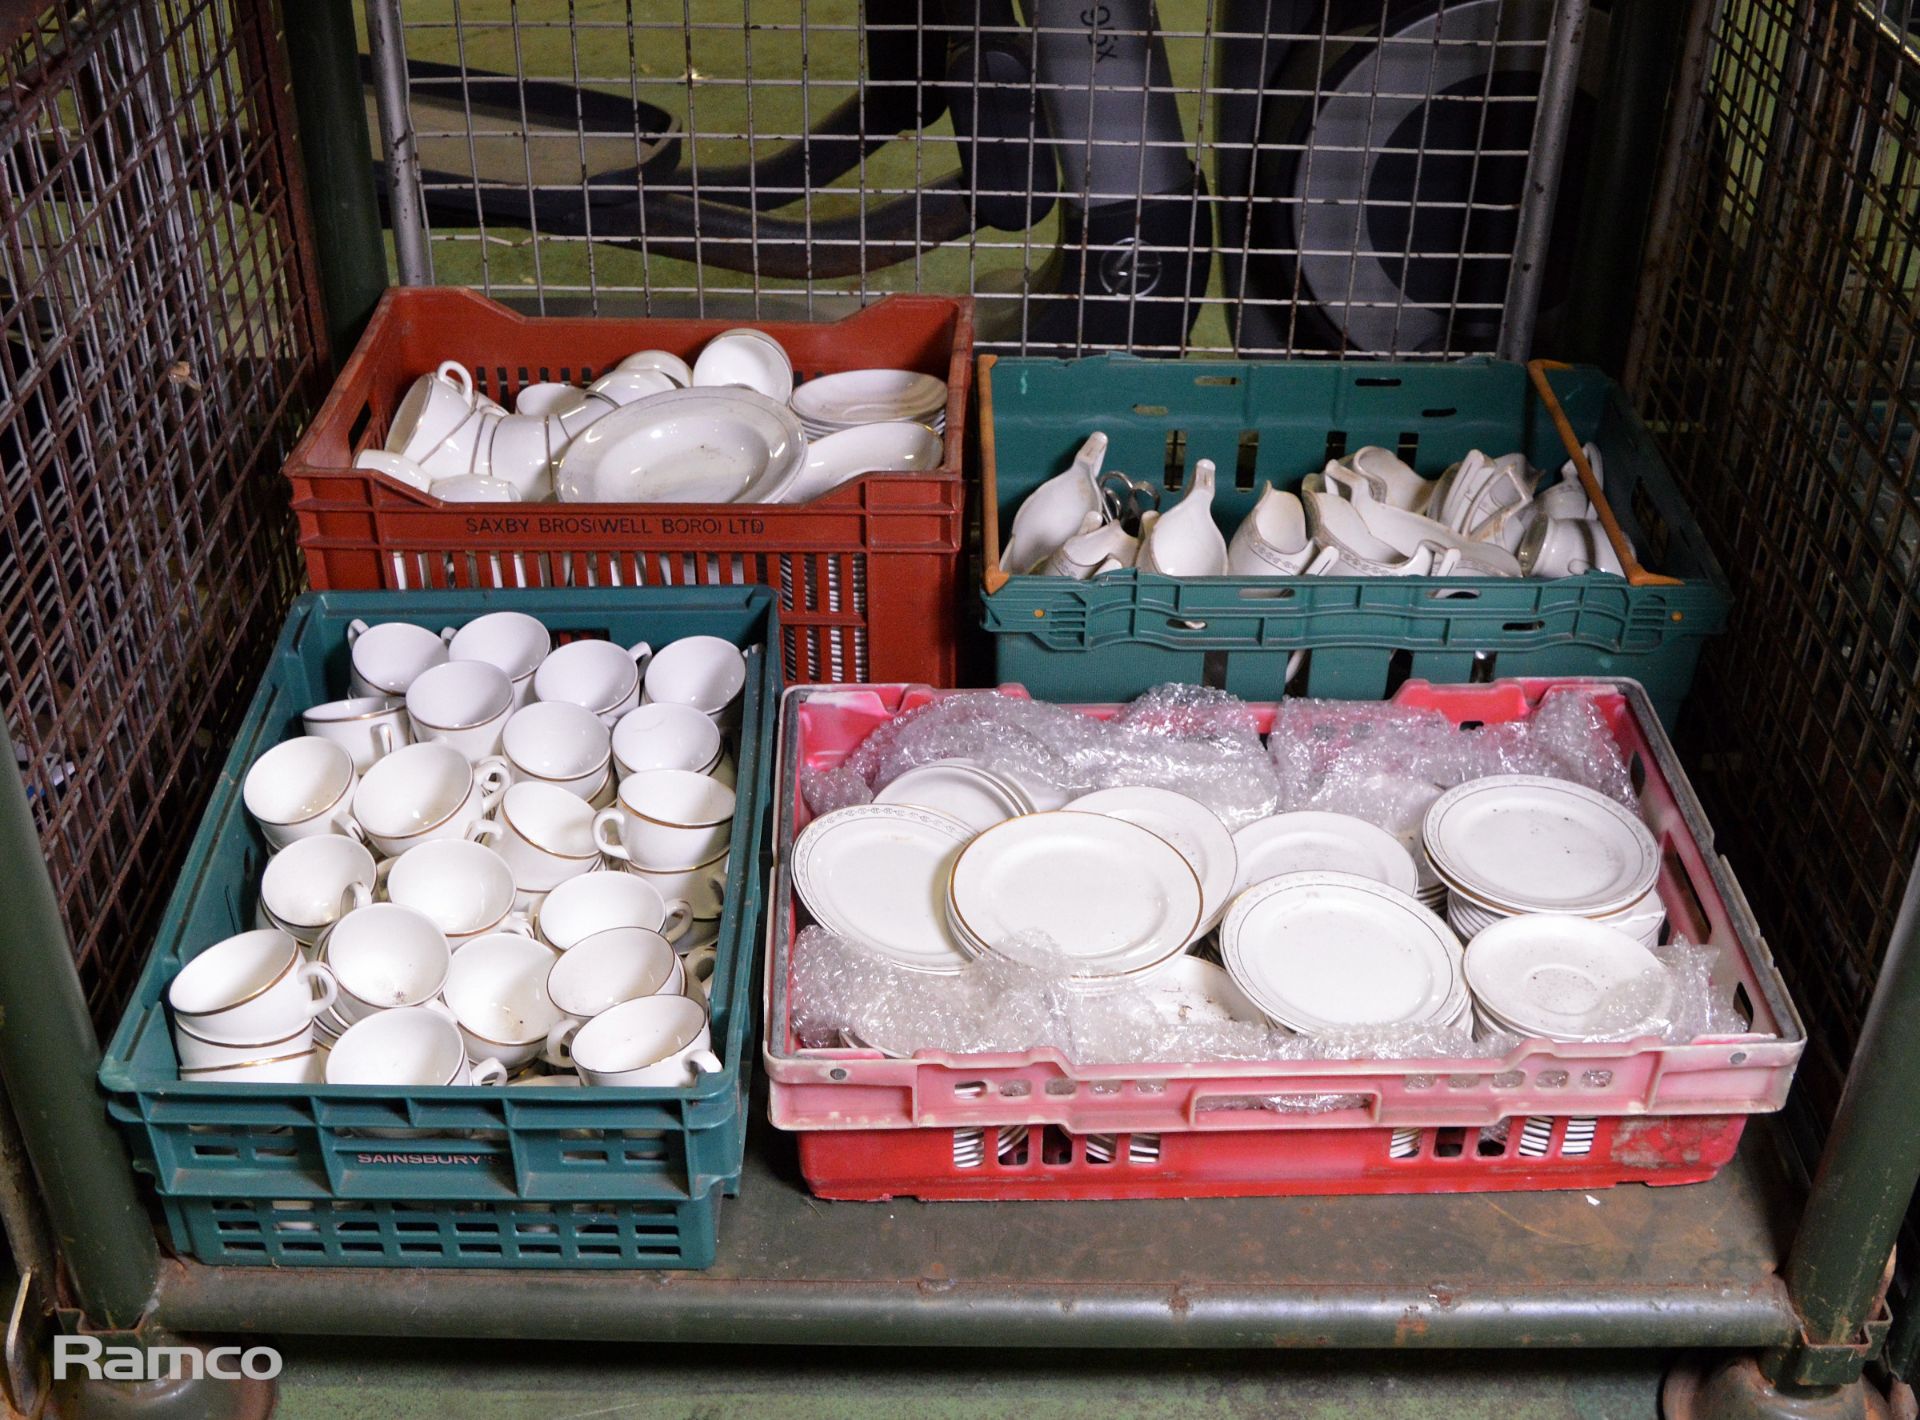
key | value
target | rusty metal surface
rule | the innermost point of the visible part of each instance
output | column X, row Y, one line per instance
column 159, row 347
column 1628, row 1266
column 1777, row 369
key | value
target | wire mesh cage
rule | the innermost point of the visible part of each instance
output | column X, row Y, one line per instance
column 1776, row 359
column 1253, row 177
column 159, row 346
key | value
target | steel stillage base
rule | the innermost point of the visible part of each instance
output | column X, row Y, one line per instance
column 1631, row 1266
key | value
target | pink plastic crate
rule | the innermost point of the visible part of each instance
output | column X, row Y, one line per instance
column 1730, row 1075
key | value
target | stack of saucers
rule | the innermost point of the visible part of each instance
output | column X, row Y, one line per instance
column 1567, row 978
column 832, row 403
column 1513, row 844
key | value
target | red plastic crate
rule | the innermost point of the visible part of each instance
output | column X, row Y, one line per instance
column 1044, row 1162
column 1546, row 1115
column 868, row 575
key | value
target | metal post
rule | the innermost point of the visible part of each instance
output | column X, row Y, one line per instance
column 48, row 1056
column 338, row 153
column 387, row 47
column 1867, row 1173
column 1559, row 82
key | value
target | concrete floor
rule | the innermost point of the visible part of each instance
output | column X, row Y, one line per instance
column 359, row 1380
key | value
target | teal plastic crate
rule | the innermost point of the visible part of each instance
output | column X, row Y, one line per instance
column 310, row 1176
column 1116, row 636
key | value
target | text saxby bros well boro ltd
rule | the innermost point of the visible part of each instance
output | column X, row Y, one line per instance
column 613, row 524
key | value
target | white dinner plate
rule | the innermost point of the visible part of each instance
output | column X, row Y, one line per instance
column 1312, row 842
column 1188, row 989
column 1527, row 843
column 1189, row 825
column 1327, row 952
column 870, row 397
column 977, row 797
column 1112, row 896
column 1567, row 978
column 685, row 446
column 876, row 876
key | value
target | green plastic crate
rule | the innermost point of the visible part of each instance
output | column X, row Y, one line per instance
column 307, row 1176
column 1114, row 637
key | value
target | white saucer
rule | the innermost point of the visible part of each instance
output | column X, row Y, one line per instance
column 1328, row 952
column 1312, row 842
column 1113, row 897
column 685, row 446
column 1527, row 843
column 876, row 875
column 748, row 357
column 870, row 397
column 976, row 797
column 1189, row 825
column 1566, row 978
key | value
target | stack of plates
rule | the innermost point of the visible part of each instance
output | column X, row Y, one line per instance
column 876, row 876
column 1313, row 842
column 834, row 402
column 1514, row 844
column 1116, row 900
column 961, row 789
column 1568, row 979
column 1193, row 829
column 1322, row 953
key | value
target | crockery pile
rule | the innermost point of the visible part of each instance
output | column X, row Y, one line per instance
column 1368, row 514
column 1327, row 924
column 730, row 428
column 494, row 857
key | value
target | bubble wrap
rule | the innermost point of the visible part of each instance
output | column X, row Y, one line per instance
column 1387, row 763
column 1198, row 741
column 1026, row 1000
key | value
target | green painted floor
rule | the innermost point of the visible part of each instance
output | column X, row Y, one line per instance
column 349, row 1380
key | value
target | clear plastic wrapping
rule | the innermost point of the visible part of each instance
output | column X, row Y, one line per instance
column 1198, row 741
column 843, row 996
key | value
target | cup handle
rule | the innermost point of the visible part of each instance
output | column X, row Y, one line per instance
column 358, row 894
column 559, row 1047
column 349, row 827
column 642, row 654
column 605, row 819
column 678, row 919
column 717, row 883
column 447, row 633
column 384, row 742
column 488, row 1072
column 1322, row 560
column 483, row 830
column 705, row 1062
column 355, row 630
column 493, row 776
column 516, row 922
column 442, row 1009
column 319, row 974
column 460, row 375
column 381, row 872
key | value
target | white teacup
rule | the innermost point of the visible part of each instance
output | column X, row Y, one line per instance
column 544, row 833
column 1567, row 547
column 366, row 726
column 705, row 672
column 600, row 972
column 465, row 888
column 511, row 640
column 385, row 956
column 1566, row 499
column 461, row 703
column 623, row 386
column 518, row 450
column 311, row 884
column 557, row 742
column 396, row 466
column 471, row 489
column 389, row 657
column 666, row 818
column 545, row 398
column 596, row 675
column 414, row 1045
column 201, row 1057
column 592, row 903
column 301, row 1068
column 434, row 407
column 665, row 361
column 666, row 736
column 425, row 792
column 656, row 1040
column 497, row 992
column 465, row 451
column 702, row 887
column 300, row 788
column 251, row 987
